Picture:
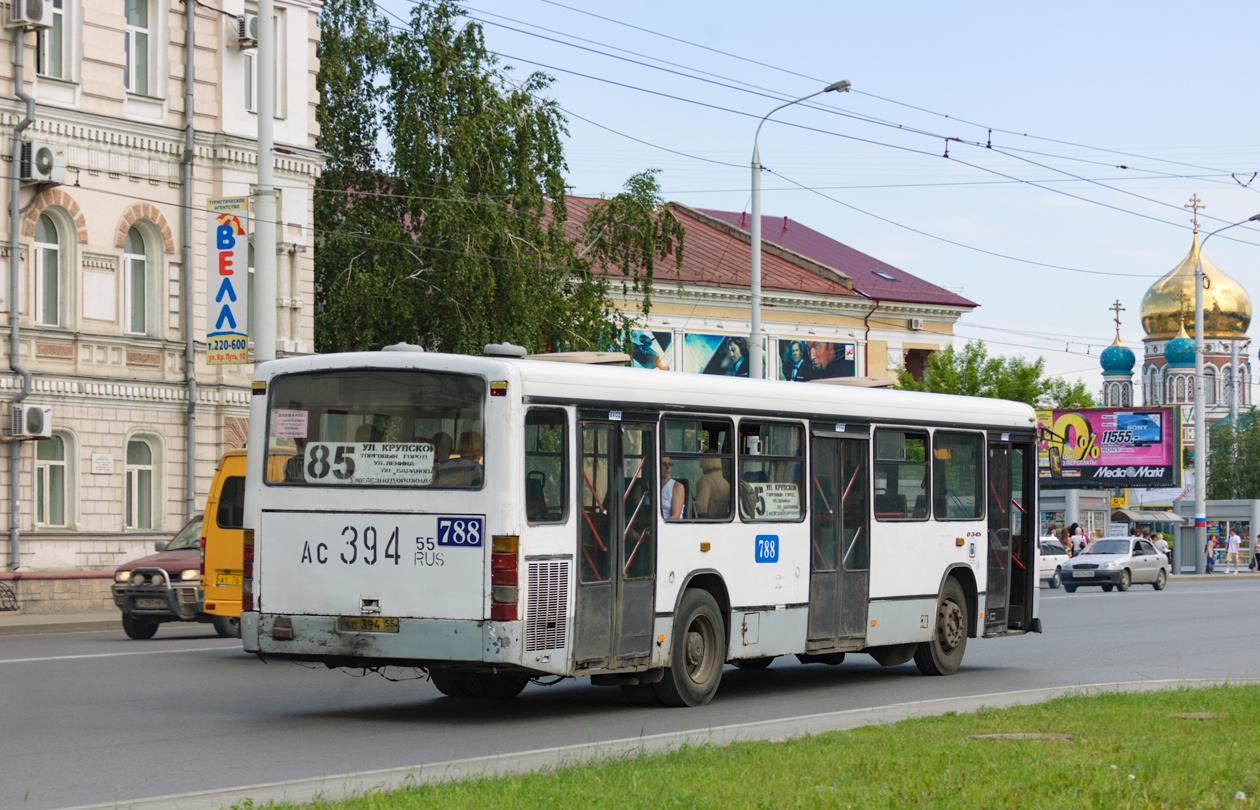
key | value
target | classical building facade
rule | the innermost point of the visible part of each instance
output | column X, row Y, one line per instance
column 102, row 273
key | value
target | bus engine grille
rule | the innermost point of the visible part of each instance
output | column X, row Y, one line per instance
column 546, row 617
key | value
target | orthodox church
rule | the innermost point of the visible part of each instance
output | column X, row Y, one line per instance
column 1167, row 375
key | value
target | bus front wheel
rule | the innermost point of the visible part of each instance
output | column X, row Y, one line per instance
column 944, row 653
column 698, row 652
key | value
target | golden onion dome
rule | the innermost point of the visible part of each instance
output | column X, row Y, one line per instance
column 1226, row 305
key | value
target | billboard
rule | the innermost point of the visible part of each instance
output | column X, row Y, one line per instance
column 651, row 348
column 804, row 360
column 227, row 280
column 1110, row 447
column 716, row 354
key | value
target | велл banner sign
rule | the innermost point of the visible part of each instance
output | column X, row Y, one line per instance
column 227, row 280
column 1110, row 447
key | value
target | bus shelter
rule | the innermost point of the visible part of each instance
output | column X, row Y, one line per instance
column 1149, row 520
column 1242, row 516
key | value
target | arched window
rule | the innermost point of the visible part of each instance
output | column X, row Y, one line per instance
column 138, row 510
column 47, row 272
column 135, row 281
column 50, row 482
column 1209, row 386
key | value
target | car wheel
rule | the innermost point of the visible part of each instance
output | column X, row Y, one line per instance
column 139, row 629
column 1057, row 579
column 1161, row 580
column 697, row 652
column 1126, row 579
column 1070, row 588
column 943, row 654
column 1108, row 587
column 227, row 626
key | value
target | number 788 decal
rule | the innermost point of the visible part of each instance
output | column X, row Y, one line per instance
column 460, row 531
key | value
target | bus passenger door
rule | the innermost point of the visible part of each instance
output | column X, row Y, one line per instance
column 1012, row 556
column 616, row 544
column 839, row 582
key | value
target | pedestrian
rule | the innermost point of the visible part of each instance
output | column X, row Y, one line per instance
column 1161, row 545
column 1211, row 555
column 1079, row 539
column 1231, row 551
column 1254, row 565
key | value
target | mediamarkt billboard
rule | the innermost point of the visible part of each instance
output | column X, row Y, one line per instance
column 1111, row 447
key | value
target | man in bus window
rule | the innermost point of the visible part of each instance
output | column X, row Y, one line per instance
column 295, row 467
column 464, row 471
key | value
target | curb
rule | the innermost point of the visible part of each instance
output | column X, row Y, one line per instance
column 350, row 785
column 39, row 623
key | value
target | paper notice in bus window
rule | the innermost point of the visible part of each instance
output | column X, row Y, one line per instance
column 383, row 464
column 777, row 501
column 291, row 424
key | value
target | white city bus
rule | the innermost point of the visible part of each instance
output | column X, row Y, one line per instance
column 494, row 519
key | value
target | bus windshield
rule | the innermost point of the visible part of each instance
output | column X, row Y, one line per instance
column 376, row 428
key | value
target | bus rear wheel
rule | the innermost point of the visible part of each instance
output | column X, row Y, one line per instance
column 495, row 686
column 227, row 626
column 698, row 652
column 944, row 653
column 450, row 682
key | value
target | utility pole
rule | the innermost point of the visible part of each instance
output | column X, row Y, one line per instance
column 264, row 301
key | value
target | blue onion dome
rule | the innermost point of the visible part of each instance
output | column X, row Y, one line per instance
column 1180, row 350
column 1118, row 358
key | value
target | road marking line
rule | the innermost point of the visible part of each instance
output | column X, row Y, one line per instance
column 345, row 786
column 111, row 655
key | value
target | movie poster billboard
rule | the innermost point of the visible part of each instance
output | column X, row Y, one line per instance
column 1125, row 447
column 651, row 348
column 716, row 354
column 805, row 360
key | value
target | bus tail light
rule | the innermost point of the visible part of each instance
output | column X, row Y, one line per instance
column 201, row 567
column 503, row 577
column 247, row 570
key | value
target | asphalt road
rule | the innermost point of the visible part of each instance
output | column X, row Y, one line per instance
column 96, row 717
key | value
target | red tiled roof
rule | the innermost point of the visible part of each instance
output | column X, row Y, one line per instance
column 714, row 258
column 806, row 241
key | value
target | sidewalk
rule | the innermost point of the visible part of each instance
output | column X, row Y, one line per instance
column 17, row 624
column 21, row 624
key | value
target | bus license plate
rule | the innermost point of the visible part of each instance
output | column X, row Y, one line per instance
column 1083, row 574
column 151, row 604
column 224, row 580
column 366, row 624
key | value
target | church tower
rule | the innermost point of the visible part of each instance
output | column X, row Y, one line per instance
column 1117, row 365
column 1168, row 367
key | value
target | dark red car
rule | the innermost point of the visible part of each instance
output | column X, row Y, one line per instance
column 163, row 587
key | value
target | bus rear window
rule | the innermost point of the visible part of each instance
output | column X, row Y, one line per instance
column 376, row 428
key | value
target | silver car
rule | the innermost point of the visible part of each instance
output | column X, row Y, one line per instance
column 1116, row 562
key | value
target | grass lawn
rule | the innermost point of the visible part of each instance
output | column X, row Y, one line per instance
column 1126, row 751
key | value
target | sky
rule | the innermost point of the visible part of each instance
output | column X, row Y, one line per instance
column 1082, row 129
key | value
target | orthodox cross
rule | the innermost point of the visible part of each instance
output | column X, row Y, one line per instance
column 1195, row 205
column 1116, row 308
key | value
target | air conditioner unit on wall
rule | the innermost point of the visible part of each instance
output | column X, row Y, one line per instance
column 31, row 422
column 29, row 14
column 916, row 323
column 247, row 31
column 43, row 163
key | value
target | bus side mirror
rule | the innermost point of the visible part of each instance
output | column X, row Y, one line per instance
column 1056, row 463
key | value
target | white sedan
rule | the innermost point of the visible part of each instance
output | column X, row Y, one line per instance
column 1052, row 559
column 1116, row 562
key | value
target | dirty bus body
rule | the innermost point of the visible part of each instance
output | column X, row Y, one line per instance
column 493, row 520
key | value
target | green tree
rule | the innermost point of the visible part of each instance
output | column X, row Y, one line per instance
column 971, row 372
column 442, row 212
column 1233, row 462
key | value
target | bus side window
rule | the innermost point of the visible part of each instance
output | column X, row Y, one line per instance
column 698, row 454
column 546, row 466
column 771, row 462
column 902, row 485
column 959, row 474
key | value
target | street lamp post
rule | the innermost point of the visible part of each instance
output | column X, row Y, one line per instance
column 755, row 357
column 1200, row 417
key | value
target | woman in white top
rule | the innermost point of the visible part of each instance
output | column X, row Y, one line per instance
column 673, row 494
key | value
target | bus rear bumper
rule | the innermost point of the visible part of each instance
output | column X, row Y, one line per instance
column 417, row 642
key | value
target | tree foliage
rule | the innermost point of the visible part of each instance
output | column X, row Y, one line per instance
column 1233, row 462
column 441, row 210
column 971, row 372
